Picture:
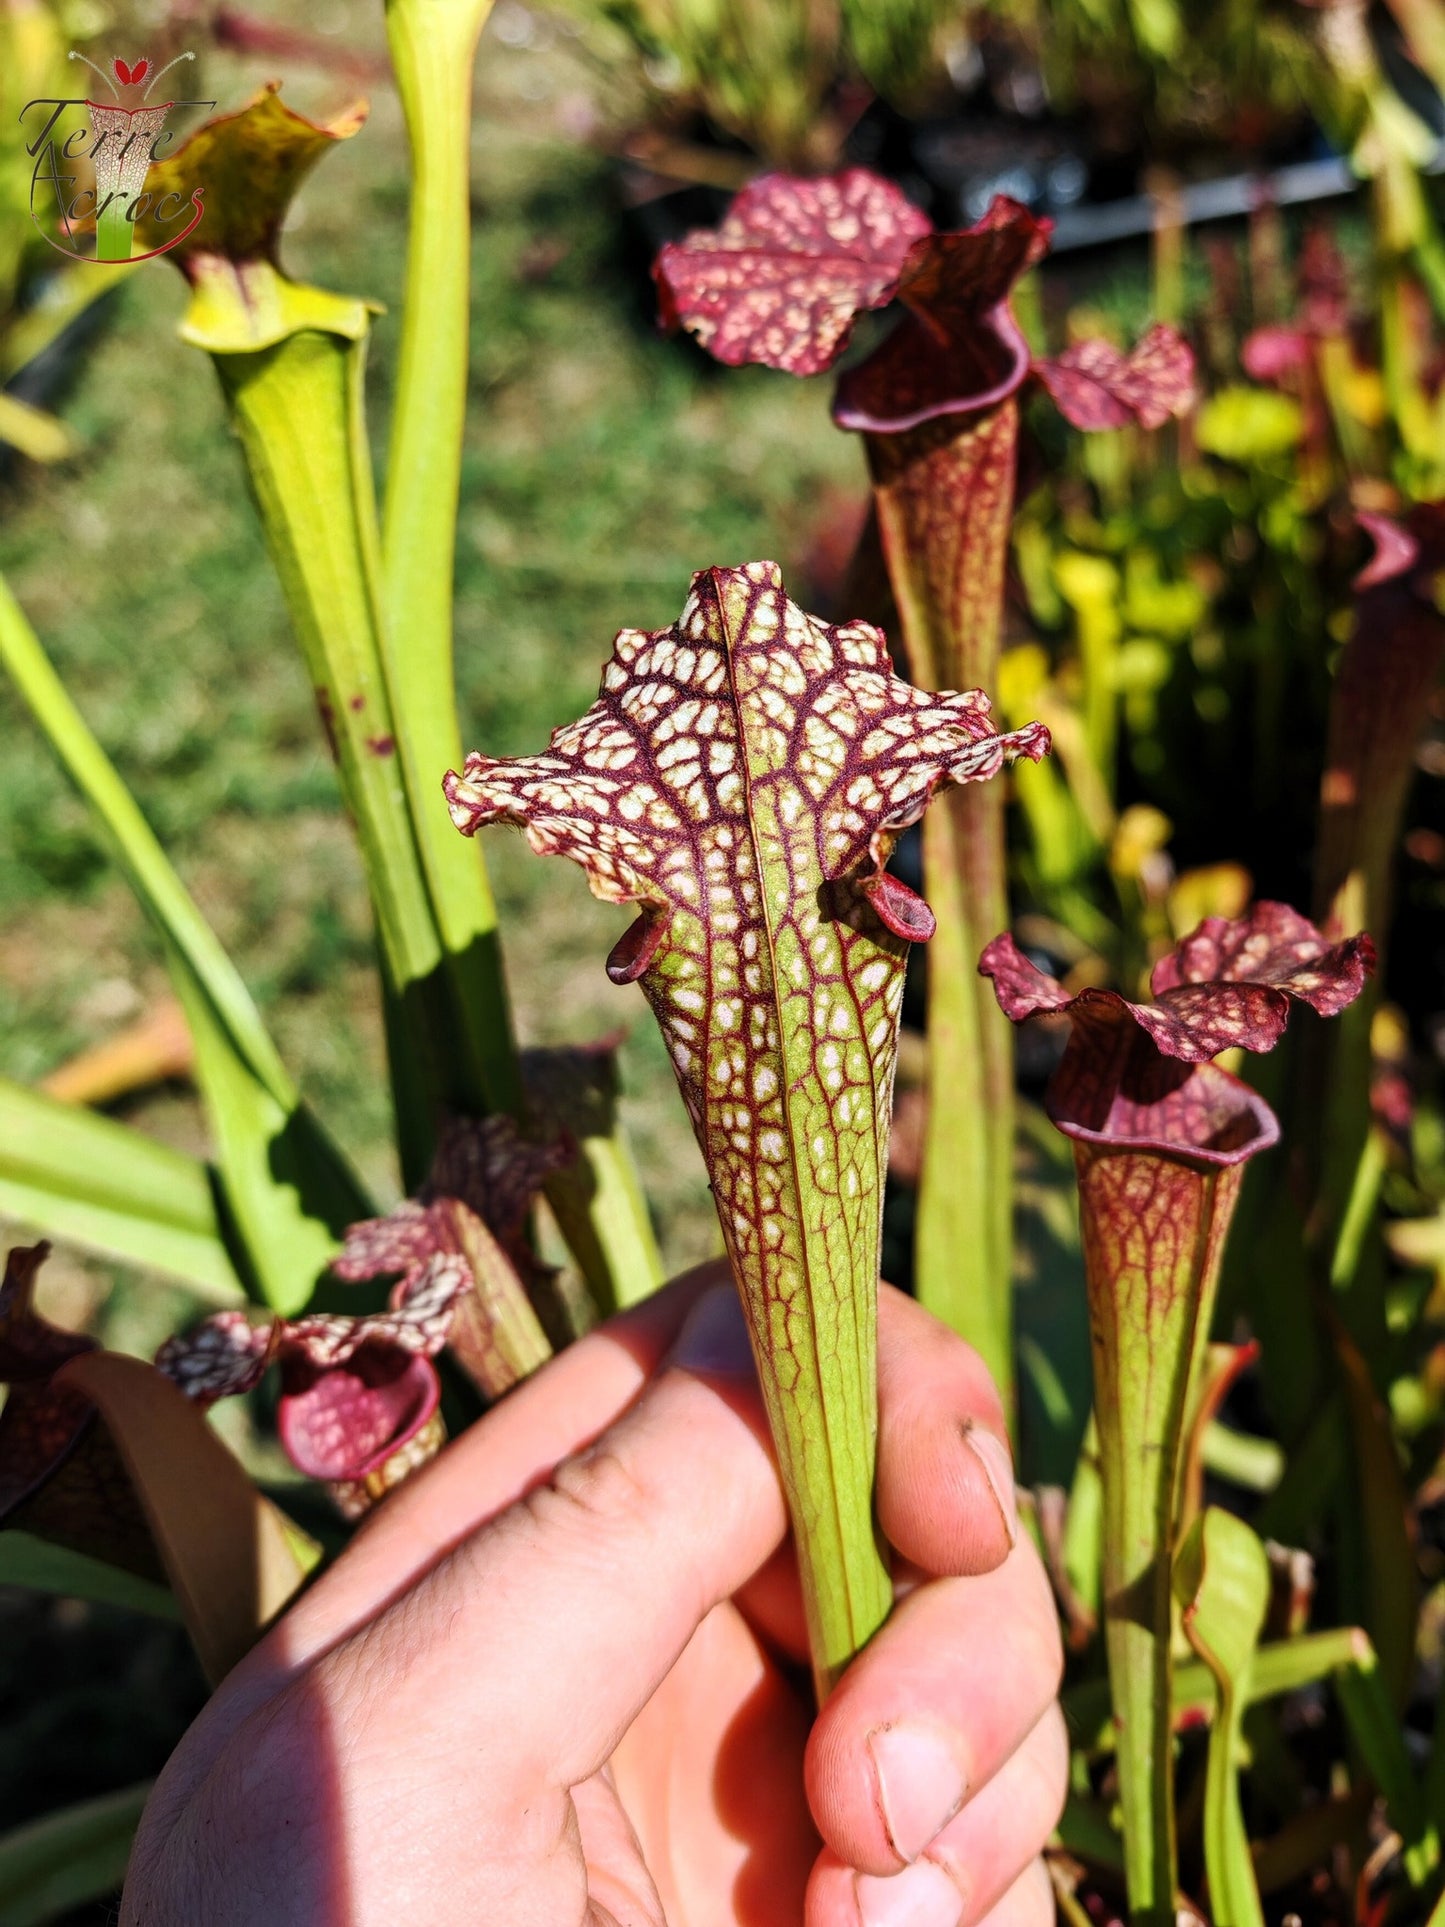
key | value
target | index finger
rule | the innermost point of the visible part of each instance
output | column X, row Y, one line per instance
column 571, row 1402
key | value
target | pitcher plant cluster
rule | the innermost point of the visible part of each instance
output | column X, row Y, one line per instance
column 742, row 783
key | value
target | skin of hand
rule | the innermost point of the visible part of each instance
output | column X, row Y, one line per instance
column 559, row 1679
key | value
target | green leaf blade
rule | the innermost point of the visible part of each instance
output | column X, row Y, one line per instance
column 76, row 1855
column 289, row 1189
column 78, row 1175
column 1221, row 1578
column 38, row 1566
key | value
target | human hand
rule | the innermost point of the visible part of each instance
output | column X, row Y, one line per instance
column 560, row 1679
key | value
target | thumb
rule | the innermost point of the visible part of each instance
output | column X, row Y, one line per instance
column 538, row 1641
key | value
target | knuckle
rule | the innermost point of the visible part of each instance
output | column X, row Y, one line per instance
column 608, row 1504
column 600, row 1487
column 1048, row 1764
column 1041, row 1909
column 1029, row 1902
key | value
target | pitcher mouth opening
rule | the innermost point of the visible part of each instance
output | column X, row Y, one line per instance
column 1194, row 1113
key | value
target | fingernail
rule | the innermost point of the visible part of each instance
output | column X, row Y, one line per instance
column 922, row 1777
column 714, row 1338
column 921, row 1896
column 998, row 1468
